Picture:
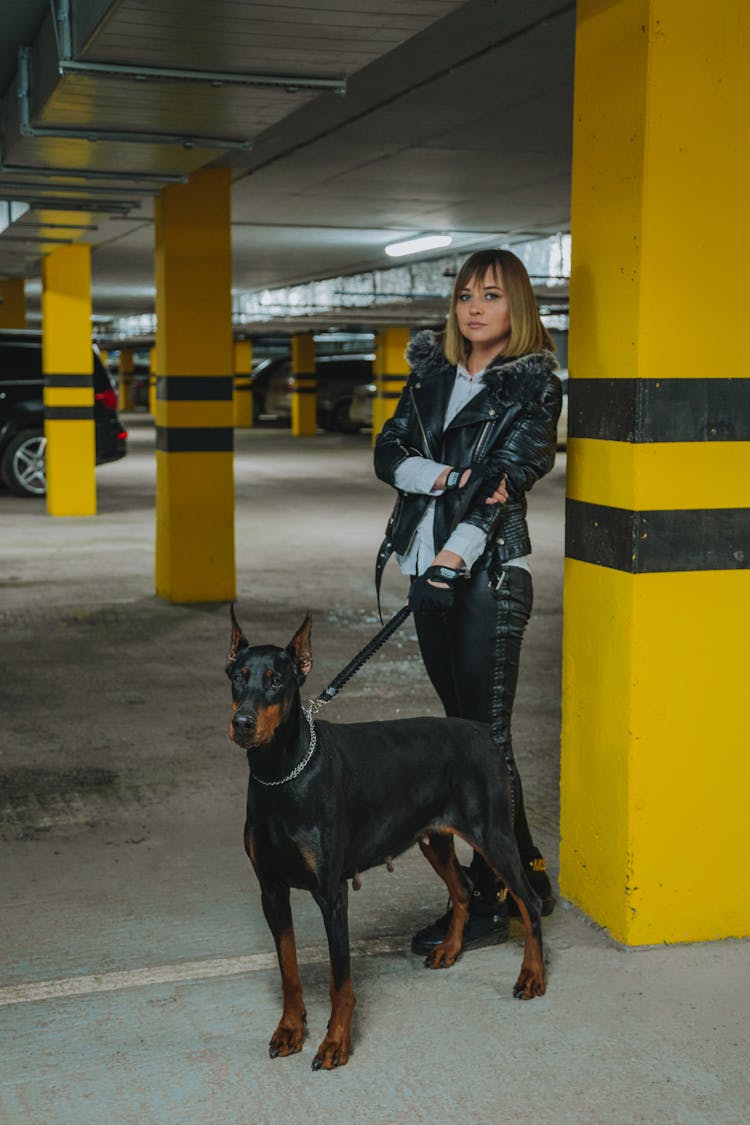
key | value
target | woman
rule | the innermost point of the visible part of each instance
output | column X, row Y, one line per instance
column 474, row 429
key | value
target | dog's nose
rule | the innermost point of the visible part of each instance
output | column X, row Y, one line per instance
column 244, row 722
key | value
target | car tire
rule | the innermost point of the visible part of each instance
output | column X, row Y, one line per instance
column 23, row 466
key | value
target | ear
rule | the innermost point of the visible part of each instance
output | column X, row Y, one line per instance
column 239, row 640
column 300, row 651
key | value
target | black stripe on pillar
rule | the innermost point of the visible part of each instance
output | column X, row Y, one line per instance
column 68, row 380
column 194, row 388
column 195, row 439
column 658, row 541
column 68, row 413
column 304, row 390
column 390, row 394
column 653, row 410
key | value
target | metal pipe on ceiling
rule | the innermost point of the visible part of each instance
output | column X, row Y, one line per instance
column 55, row 203
column 91, row 174
column 291, row 83
column 77, row 189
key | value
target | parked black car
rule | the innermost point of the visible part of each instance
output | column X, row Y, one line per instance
column 22, row 440
column 336, row 375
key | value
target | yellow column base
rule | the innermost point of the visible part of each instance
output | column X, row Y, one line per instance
column 652, row 794
column 70, row 458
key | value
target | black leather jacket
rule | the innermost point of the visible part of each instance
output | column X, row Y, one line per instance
column 510, row 424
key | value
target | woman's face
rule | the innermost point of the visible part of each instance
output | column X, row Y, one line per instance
column 483, row 313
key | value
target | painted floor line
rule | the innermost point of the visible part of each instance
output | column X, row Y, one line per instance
column 64, row 987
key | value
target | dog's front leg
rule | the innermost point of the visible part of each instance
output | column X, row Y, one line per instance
column 288, row 1036
column 335, row 1049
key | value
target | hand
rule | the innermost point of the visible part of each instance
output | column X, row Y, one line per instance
column 426, row 596
column 433, row 591
column 490, row 492
column 499, row 495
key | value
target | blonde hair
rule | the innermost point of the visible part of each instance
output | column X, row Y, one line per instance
column 527, row 333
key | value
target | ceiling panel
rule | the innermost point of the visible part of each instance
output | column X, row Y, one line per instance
column 316, row 37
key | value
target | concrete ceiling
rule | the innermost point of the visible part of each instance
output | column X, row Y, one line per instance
column 456, row 118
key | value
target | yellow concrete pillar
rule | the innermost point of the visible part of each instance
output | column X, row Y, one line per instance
column 68, row 365
column 12, row 303
column 126, row 368
column 655, row 780
column 194, row 365
column 152, row 382
column 305, row 390
column 391, row 372
column 243, row 394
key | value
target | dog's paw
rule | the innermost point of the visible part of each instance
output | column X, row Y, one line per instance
column 442, row 956
column 529, row 985
column 287, row 1039
column 332, row 1052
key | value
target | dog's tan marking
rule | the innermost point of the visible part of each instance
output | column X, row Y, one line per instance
column 268, row 720
column 446, row 954
column 250, row 845
column 336, row 1047
column 530, row 981
column 309, row 859
column 288, row 1036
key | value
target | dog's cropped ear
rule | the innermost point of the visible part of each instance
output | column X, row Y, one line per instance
column 239, row 640
column 300, row 650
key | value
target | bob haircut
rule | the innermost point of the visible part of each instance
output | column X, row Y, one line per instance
column 527, row 333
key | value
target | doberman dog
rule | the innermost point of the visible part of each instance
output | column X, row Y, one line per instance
column 327, row 801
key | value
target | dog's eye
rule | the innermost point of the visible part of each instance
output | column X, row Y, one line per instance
column 275, row 681
column 238, row 678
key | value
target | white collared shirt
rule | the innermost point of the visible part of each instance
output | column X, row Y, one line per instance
column 418, row 475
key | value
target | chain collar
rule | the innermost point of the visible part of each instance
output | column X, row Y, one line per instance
column 298, row 768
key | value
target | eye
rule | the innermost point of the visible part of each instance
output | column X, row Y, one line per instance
column 464, row 296
column 275, row 681
column 238, row 678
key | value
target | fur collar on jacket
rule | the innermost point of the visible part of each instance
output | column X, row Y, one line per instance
column 515, row 379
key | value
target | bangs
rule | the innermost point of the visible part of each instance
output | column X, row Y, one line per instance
column 475, row 269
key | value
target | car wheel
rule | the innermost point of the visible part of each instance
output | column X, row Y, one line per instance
column 340, row 419
column 23, row 465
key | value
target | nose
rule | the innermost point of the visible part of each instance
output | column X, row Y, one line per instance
column 244, row 723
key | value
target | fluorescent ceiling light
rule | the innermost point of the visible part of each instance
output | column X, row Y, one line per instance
column 416, row 245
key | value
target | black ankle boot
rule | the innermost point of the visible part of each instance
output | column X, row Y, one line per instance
column 535, row 867
column 486, row 924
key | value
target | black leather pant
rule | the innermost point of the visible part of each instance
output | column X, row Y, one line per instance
column 471, row 654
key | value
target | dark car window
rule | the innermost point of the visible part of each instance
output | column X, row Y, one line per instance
column 20, row 361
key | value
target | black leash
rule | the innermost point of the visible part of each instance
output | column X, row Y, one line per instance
column 363, row 655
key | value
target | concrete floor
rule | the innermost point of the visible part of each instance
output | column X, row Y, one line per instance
column 139, row 982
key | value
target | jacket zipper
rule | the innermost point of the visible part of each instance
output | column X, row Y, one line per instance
column 428, row 451
column 480, row 441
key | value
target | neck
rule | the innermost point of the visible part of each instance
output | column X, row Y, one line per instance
column 479, row 357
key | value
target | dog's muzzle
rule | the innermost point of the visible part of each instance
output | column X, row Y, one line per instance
column 243, row 727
